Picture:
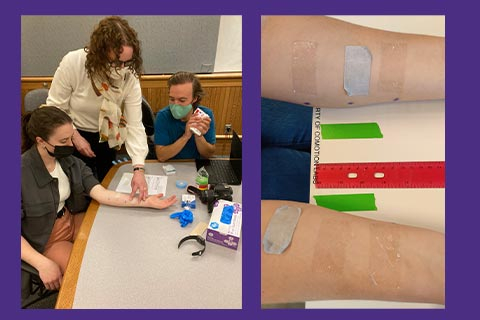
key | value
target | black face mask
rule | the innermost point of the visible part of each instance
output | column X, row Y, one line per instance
column 61, row 151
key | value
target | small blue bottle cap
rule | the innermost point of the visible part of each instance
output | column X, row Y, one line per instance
column 181, row 184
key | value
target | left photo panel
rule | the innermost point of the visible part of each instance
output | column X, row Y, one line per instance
column 131, row 186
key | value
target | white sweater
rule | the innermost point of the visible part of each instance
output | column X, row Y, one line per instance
column 72, row 91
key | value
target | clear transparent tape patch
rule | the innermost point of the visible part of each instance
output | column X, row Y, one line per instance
column 304, row 71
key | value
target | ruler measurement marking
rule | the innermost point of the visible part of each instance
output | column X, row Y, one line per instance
column 381, row 175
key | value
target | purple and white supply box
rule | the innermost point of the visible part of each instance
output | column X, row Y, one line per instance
column 225, row 224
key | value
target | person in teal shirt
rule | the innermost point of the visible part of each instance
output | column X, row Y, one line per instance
column 180, row 133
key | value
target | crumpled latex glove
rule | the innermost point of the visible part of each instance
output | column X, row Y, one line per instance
column 185, row 217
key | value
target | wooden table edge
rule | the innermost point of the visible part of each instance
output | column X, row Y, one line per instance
column 67, row 291
column 66, row 294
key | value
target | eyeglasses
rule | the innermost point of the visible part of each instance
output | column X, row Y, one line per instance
column 122, row 64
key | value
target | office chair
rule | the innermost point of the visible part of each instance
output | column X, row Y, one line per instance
column 33, row 289
column 148, row 119
column 34, row 98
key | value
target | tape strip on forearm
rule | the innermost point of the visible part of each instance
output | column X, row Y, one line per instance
column 280, row 229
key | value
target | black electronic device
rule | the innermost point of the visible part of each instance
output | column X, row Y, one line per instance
column 209, row 196
column 227, row 171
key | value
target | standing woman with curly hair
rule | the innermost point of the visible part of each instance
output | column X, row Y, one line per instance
column 99, row 87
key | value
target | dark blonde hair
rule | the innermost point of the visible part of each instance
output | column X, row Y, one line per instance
column 41, row 122
column 111, row 34
column 182, row 77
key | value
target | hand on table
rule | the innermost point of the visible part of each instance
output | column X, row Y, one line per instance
column 156, row 202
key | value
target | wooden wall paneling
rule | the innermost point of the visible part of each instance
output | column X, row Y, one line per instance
column 223, row 96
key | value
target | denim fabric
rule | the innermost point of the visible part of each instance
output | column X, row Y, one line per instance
column 285, row 174
column 286, row 143
column 286, row 125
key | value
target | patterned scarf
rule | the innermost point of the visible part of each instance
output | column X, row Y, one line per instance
column 112, row 122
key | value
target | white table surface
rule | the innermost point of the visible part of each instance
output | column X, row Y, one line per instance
column 132, row 261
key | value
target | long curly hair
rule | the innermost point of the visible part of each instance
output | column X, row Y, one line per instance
column 111, row 34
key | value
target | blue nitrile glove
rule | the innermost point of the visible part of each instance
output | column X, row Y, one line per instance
column 185, row 217
column 227, row 213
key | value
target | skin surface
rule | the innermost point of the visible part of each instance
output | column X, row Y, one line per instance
column 335, row 255
column 303, row 60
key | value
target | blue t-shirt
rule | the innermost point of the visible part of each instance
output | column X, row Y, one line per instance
column 168, row 130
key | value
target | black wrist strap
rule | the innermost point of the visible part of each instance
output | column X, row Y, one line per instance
column 199, row 239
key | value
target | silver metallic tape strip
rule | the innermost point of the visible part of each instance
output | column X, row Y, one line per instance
column 358, row 63
column 280, row 229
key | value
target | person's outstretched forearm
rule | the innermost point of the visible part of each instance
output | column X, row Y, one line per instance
column 303, row 62
column 336, row 255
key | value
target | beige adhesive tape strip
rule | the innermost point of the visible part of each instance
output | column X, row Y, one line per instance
column 304, row 67
column 199, row 229
column 330, row 258
column 393, row 58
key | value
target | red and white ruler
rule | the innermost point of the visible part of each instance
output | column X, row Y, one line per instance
column 380, row 175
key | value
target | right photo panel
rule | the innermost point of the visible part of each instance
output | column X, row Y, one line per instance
column 353, row 162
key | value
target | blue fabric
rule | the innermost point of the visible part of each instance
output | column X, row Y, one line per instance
column 285, row 174
column 168, row 130
column 286, row 125
column 286, row 144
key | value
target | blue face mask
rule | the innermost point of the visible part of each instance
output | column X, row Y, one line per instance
column 179, row 112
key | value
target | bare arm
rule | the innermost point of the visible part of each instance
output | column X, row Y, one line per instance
column 205, row 148
column 112, row 198
column 167, row 152
column 48, row 270
column 303, row 60
column 340, row 256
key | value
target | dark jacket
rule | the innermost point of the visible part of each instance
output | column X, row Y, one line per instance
column 40, row 196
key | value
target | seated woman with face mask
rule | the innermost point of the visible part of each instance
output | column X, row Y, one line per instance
column 56, row 190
